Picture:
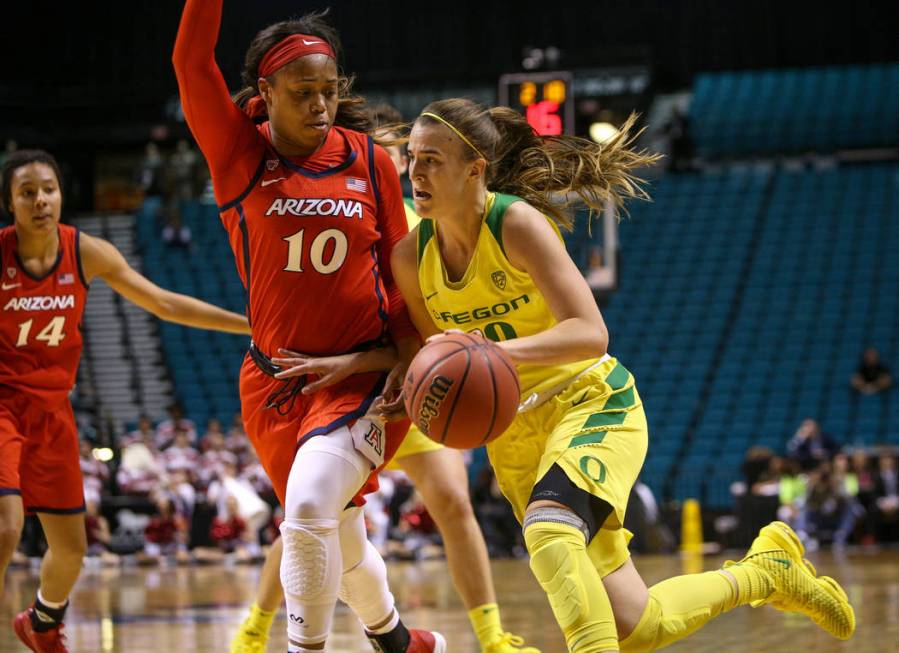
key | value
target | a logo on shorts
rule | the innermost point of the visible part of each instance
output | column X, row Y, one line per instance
column 499, row 279
column 374, row 438
column 593, row 468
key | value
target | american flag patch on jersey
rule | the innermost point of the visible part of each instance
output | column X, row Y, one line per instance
column 357, row 184
column 66, row 279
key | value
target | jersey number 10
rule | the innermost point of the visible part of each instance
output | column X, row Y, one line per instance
column 317, row 251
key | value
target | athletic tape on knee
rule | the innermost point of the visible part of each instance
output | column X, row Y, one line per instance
column 310, row 564
column 364, row 588
column 555, row 515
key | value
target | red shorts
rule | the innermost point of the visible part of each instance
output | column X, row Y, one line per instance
column 277, row 437
column 39, row 457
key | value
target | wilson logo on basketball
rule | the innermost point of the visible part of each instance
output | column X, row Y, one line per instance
column 430, row 405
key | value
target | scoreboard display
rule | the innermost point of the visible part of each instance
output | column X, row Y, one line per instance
column 545, row 99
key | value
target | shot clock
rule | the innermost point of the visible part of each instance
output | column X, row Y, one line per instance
column 545, row 99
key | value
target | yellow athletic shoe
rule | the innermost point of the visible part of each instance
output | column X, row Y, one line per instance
column 249, row 639
column 778, row 551
column 509, row 643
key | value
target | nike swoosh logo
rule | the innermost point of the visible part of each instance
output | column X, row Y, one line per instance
column 785, row 563
column 305, row 42
column 269, row 182
column 432, row 294
column 10, row 286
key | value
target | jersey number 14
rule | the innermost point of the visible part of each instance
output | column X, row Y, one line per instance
column 52, row 334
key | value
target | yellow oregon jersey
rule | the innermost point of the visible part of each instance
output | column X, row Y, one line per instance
column 493, row 297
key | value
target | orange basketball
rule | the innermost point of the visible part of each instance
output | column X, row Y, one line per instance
column 462, row 390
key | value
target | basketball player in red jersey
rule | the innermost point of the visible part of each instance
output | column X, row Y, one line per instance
column 46, row 270
column 313, row 209
column 439, row 475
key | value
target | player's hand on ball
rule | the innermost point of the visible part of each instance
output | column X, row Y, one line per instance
column 391, row 406
column 446, row 333
column 328, row 369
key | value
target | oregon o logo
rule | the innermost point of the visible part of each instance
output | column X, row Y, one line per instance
column 593, row 468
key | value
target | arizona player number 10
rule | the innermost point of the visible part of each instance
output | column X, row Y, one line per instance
column 320, row 249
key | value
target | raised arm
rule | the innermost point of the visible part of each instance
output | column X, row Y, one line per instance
column 227, row 137
column 101, row 259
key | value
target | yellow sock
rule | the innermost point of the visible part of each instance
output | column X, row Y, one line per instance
column 486, row 624
column 684, row 604
column 576, row 594
column 259, row 619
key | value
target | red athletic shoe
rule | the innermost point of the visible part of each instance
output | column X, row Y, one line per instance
column 423, row 641
column 50, row 641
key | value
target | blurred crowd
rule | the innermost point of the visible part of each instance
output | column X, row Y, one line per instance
column 827, row 494
column 173, row 493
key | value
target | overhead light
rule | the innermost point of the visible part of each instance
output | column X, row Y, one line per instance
column 602, row 132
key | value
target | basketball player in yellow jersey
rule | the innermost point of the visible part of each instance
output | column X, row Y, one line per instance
column 440, row 476
column 487, row 258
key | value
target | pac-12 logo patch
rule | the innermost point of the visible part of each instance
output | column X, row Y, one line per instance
column 499, row 279
column 11, row 272
column 271, row 164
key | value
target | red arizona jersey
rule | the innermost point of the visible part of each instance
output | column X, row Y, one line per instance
column 305, row 244
column 40, row 319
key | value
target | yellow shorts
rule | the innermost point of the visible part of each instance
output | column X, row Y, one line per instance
column 416, row 442
column 595, row 431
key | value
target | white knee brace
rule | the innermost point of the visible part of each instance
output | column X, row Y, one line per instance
column 310, row 574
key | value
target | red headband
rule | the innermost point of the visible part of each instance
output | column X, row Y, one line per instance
column 281, row 54
column 293, row 47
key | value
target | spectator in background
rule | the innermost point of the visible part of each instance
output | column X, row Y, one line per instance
column 140, row 470
column 251, row 508
column 145, row 432
column 165, row 430
column 94, row 473
column 214, row 452
column 151, row 171
column 867, row 494
column 827, row 509
column 181, row 186
column 872, row 376
column 165, row 534
column 175, row 233
column 793, row 488
column 237, row 441
column 98, row 534
column 181, row 462
column 886, row 499
column 810, row 446
column 229, row 531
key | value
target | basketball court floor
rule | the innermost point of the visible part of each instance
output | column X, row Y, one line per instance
column 196, row 609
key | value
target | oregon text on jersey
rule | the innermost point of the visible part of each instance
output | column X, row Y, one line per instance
column 482, row 312
column 313, row 207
